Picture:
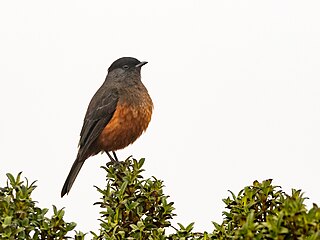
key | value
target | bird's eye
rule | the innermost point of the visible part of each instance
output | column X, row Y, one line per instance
column 125, row 66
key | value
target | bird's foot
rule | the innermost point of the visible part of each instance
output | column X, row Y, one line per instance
column 112, row 159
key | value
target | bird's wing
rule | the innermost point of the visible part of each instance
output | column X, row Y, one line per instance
column 99, row 113
column 97, row 117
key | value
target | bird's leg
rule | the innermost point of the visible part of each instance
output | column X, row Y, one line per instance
column 115, row 156
column 111, row 158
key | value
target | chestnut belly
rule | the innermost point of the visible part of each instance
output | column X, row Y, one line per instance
column 126, row 125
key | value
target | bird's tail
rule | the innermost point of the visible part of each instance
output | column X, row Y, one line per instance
column 72, row 176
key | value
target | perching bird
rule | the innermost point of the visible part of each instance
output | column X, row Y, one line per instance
column 117, row 115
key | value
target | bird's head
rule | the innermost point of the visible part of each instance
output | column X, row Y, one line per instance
column 125, row 70
column 126, row 64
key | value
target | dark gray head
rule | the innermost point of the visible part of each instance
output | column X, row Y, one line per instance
column 126, row 63
column 125, row 71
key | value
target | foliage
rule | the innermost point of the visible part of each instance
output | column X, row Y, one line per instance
column 133, row 207
column 263, row 211
column 20, row 218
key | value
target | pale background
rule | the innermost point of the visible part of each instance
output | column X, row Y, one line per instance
column 235, row 84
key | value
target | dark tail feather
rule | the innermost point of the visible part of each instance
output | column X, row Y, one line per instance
column 72, row 176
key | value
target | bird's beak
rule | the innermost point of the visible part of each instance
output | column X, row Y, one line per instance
column 141, row 64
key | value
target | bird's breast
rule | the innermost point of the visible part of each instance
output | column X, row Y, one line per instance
column 128, row 122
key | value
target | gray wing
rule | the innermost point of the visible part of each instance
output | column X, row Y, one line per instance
column 99, row 113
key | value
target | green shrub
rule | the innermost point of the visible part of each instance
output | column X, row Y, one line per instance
column 20, row 218
column 263, row 211
column 133, row 207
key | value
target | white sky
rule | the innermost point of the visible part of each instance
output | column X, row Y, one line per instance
column 235, row 84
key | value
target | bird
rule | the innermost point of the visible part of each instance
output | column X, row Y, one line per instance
column 118, row 113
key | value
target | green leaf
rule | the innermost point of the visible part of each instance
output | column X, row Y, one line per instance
column 123, row 188
column 141, row 162
column 11, row 179
column 134, row 227
column 7, row 221
column 190, row 227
